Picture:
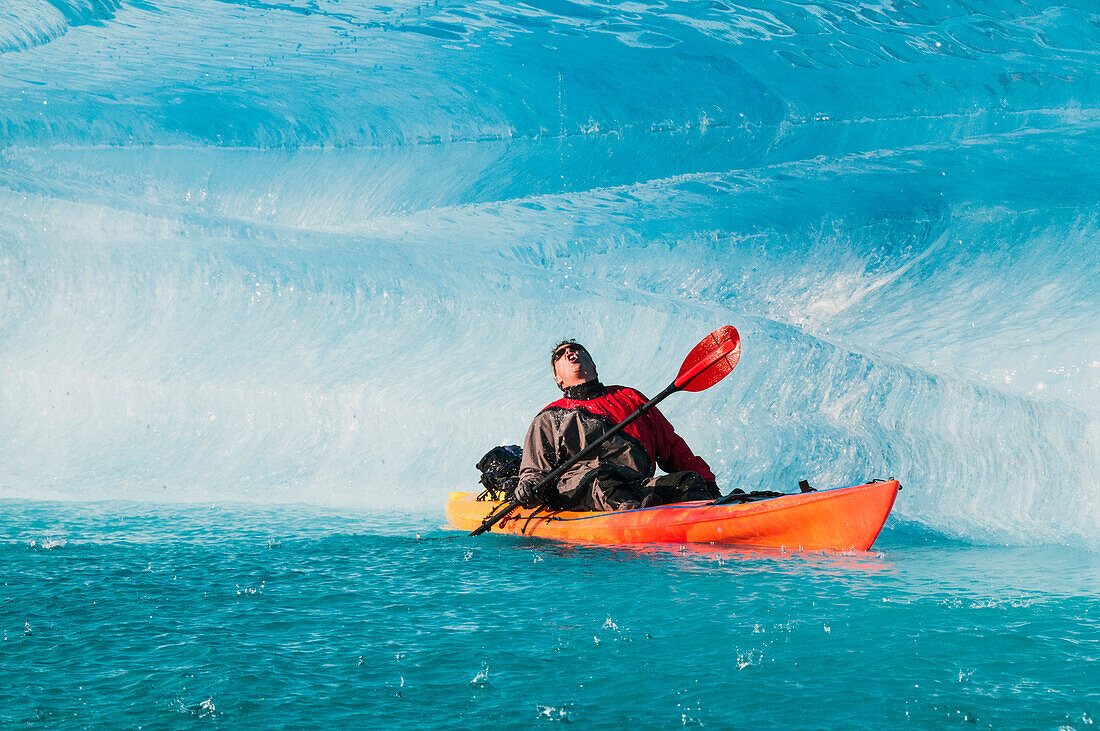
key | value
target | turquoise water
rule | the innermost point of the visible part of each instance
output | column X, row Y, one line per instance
column 131, row 615
column 274, row 275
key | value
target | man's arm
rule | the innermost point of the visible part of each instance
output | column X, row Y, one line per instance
column 539, row 459
column 673, row 453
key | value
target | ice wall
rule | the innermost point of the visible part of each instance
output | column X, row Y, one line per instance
column 317, row 251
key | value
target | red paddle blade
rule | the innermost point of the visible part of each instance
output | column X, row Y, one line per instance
column 710, row 361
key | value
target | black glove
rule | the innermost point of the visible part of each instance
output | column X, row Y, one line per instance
column 528, row 495
column 712, row 488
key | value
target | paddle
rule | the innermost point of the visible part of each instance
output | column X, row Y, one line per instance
column 708, row 363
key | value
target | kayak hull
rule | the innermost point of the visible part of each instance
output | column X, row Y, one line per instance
column 844, row 519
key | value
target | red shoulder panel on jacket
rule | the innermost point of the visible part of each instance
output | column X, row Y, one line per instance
column 618, row 403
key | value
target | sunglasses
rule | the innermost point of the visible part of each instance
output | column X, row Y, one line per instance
column 565, row 349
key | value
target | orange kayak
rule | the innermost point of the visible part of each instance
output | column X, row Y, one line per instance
column 844, row 519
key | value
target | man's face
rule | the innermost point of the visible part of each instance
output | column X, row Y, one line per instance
column 573, row 366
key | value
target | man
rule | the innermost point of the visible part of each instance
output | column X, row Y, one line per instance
column 620, row 476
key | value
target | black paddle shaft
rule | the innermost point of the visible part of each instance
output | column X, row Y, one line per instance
column 495, row 517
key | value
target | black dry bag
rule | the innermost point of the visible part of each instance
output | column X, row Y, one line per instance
column 500, row 472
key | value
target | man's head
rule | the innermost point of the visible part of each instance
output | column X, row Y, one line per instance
column 571, row 364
